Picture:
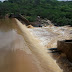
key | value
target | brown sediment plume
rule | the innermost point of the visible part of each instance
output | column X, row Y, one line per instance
column 29, row 26
column 15, row 56
column 46, row 62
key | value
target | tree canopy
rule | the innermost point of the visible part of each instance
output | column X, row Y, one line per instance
column 59, row 12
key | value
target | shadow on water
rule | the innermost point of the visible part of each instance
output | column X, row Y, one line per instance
column 61, row 59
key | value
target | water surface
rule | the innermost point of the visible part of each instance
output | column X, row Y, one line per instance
column 15, row 55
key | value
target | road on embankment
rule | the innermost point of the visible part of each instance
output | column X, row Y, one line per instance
column 21, row 52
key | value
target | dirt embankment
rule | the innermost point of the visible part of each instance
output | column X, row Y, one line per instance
column 46, row 62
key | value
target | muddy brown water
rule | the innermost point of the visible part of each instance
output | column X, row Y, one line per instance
column 14, row 53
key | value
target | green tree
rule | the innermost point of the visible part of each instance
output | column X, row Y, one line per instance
column 37, row 2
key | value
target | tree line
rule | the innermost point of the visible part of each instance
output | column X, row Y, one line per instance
column 59, row 12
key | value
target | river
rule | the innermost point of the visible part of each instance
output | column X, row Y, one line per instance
column 15, row 56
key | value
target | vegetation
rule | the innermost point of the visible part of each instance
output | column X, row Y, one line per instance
column 59, row 12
